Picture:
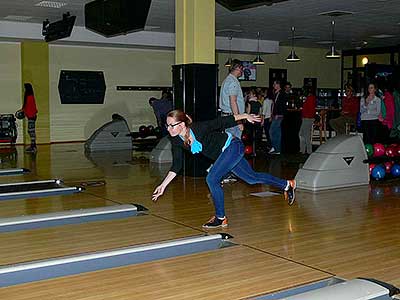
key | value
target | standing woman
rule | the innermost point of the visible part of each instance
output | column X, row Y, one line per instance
column 254, row 107
column 267, row 114
column 308, row 115
column 370, row 109
column 30, row 111
column 209, row 139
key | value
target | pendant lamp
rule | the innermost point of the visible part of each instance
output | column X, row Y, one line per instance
column 292, row 56
column 332, row 53
column 258, row 60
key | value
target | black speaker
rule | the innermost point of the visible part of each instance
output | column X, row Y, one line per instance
column 195, row 92
column 116, row 17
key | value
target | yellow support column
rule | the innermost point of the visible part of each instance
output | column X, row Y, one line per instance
column 35, row 69
column 195, row 74
column 195, row 31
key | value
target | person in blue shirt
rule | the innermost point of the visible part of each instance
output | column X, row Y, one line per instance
column 209, row 138
column 231, row 100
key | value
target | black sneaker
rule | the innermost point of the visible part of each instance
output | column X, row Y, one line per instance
column 214, row 222
column 289, row 194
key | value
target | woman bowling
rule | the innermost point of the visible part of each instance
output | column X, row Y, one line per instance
column 209, row 138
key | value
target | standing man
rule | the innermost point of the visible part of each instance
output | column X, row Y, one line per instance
column 278, row 111
column 348, row 116
column 288, row 88
column 231, row 101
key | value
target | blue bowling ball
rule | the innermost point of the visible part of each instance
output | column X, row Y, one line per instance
column 395, row 170
column 377, row 192
column 378, row 172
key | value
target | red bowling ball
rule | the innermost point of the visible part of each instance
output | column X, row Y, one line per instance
column 379, row 150
column 371, row 167
column 397, row 153
column 248, row 150
column 391, row 151
column 388, row 166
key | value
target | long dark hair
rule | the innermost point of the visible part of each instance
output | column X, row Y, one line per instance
column 367, row 92
column 181, row 116
column 28, row 91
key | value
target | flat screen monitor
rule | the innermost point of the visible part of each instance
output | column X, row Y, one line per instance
column 249, row 71
column 81, row 87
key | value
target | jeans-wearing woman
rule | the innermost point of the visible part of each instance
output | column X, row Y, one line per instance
column 227, row 151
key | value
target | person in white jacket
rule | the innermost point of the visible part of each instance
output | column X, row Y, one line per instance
column 266, row 118
column 370, row 109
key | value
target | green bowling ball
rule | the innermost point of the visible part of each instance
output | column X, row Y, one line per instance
column 369, row 149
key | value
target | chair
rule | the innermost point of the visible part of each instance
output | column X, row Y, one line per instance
column 318, row 134
column 351, row 129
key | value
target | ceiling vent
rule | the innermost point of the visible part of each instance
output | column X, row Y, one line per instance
column 51, row 4
column 336, row 13
column 235, row 5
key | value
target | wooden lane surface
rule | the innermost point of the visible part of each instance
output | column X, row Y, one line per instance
column 348, row 232
column 19, row 178
column 44, row 205
column 64, row 161
column 230, row 273
column 51, row 242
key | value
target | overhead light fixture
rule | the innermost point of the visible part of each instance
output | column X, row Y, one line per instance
column 258, row 60
column 332, row 53
column 292, row 56
column 364, row 60
column 228, row 63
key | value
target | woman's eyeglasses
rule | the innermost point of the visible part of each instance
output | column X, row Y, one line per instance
column 172, row 125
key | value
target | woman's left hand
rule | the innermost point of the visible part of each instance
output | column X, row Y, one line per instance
column 253, row 118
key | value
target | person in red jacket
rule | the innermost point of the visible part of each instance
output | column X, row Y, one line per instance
column 30, row 110
column 308, row 115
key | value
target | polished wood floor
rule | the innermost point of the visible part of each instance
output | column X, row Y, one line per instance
column 348, row 233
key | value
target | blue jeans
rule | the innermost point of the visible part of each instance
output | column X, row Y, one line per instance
column 235, row 131
column 232, row 160
column 275, row 132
